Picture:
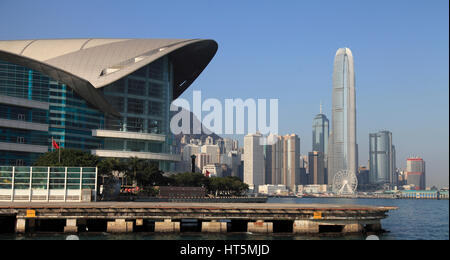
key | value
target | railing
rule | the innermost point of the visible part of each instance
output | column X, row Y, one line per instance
column 30, row 184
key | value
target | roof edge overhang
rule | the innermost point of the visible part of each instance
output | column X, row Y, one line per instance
column 189, row 58
column 80, row 86
column 189, row 62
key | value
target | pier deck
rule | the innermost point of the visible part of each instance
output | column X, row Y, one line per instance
column 122, row 216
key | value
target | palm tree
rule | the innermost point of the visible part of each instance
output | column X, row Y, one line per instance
column 135, row 165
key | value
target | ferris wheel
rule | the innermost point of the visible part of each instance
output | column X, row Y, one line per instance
column 345, row 182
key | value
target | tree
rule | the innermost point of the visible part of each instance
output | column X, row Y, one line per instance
column 150, row 175
column 228, row 186
column 190, row 179
column 109, row 165
column 69, row 158
column 135, row 166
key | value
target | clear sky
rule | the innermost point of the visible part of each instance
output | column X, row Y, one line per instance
column 285, row 50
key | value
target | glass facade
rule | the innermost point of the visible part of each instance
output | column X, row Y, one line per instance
column 382, row 158
column 343, row 147
column 320, row 134
column 70, row 117
column 142, row 98
column 46, row 183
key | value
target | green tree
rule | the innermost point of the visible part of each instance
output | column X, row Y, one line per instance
column 190, row 179
column 135, row 167
column 227, row 186
column 69, row 158
column 150, row 175
column 109, row 165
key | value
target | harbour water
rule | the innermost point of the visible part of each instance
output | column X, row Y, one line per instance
column 414, row 220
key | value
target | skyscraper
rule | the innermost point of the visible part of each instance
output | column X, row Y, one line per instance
column 291, row 159
column 316, row 168
column 282, row 160
column 273, row 154
column 415, row 172
column 320, row 133
column 253, row 161
column 342, row 149
column 382, row 159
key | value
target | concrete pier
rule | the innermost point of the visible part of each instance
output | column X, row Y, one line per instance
column 260, row 227
column 21, row 224
column 167, row 226
column 119, row 226
column 306, row 227
column 214, row 227
column 71, row 226
column 353, row 228
column 374, row 227
column 255, row 218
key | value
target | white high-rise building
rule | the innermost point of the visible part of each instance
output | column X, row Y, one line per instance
column 213, row 151
column 253, row 161
column 343, row 150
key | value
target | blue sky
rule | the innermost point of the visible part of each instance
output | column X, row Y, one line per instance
column 285, row 50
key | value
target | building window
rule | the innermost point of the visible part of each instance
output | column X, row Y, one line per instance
column 155, row 108
column 135, row 106
column 20, row 140
column 154, row 126
column 141, row 72
column 136, row 146
column 136, row 87
column 116, row 102
column 135, row 124
column 155, row 90
column 116, row 87
column 156, row 69
column 21, row 117
column 20, row 162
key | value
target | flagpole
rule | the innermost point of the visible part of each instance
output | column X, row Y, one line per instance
column 59, row 152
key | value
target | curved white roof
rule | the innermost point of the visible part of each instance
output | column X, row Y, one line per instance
column 88, row 64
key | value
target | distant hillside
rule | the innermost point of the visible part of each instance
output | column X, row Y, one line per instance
column 201, row 136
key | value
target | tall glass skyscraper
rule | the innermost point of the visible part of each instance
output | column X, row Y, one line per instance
column 382, row 159
column 342, row 154
column 320, row 133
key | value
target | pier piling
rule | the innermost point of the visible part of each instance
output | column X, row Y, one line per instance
column 260, row 227
column 214, row 227
column 306, row 227
column 120, row 226
column 71, row 226
column 21, row 224
column 167, row 226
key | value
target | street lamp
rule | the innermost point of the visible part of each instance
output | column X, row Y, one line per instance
column 193, row 162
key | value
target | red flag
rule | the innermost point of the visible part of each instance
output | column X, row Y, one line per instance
column 207, row 173
column 54, row 144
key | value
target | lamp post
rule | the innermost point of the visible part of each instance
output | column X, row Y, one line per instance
column 193, row 162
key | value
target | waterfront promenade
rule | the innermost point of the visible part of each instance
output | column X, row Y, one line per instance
column 123, row 217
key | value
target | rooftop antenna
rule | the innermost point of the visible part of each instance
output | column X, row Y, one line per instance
column 320, row 106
